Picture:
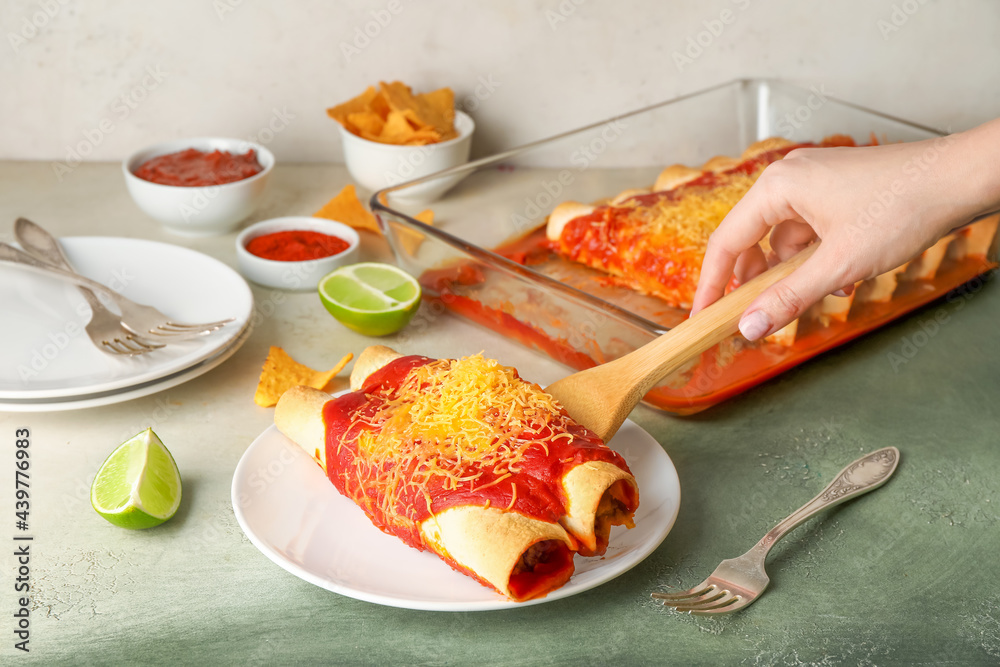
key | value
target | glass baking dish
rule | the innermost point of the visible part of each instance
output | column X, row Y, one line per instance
column 483, row 258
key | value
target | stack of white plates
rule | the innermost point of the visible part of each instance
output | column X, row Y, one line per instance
column 47, row 360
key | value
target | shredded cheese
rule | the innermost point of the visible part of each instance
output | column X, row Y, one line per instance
column 449, row 423
column 656, row 244
column 692, row 218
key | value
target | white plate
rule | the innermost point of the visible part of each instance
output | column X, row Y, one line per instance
column 47, row 354
column 127, row 394
column 296, row 517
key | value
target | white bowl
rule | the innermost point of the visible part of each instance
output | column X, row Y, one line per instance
column 295, row 276
column 198, row 211
column 375, row 166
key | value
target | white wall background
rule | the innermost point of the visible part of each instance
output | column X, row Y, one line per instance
column 104, row 77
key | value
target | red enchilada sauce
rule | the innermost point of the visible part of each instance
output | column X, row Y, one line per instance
column 194, row 168
column 296, row 246
column 533, row 488
column 720, row 375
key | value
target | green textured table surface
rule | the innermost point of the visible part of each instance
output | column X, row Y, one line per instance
column 906, row 575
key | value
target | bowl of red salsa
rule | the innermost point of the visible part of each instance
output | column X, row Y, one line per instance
column 199, row 187
column 295, row 252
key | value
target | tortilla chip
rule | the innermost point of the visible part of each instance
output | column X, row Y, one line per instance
column 397, row 94
column 358, row 104
column 348, row 209
column 366, row 122
column 370, row 136
column 423, row 137
column 392, row 114
column 442, row 101
column 411, row 239
column 397, row 129
column 280, row 373
column 424, row 111
column 415, row 121
column 380, row 106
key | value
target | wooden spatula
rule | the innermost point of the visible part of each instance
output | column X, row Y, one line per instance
column 601, row 398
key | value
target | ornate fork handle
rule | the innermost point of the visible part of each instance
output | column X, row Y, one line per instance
column 40, row 244
column 866, row 474
column 11, row 255
column 43, row 246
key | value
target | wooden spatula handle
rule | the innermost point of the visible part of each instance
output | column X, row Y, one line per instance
column 655, row 360
column 601, row 397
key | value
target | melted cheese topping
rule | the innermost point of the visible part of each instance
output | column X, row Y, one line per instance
column 655, row 243
column 692, row 218
column 450, row 423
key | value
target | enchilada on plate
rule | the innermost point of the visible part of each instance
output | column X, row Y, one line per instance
column 467, row 460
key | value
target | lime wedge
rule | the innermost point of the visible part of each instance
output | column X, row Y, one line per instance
column 373, row 299
column 138, row 486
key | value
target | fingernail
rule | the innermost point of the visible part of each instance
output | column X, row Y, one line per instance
column 845, row 291
column 755, row 325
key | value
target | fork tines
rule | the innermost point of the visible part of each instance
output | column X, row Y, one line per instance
column 704, row 599
column 169, row 329
column 129, row 346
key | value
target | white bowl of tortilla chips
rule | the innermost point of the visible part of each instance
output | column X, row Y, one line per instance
column 391, row 136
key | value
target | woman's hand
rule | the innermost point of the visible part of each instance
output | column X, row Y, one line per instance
column 874, row 208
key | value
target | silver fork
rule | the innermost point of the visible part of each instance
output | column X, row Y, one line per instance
column 137, row 318
column 104, row 328
column 738, row 582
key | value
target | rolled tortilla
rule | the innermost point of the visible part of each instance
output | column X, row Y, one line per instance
column 974, row 241
column 674, row 176
column 981, row 237
column 625, row 195
column 720, row 163
column 655, row 243
column 599, row 494
column 370, row 360
column 926, row 265
column 517, row 555
column 764, row 146
column 562, row 214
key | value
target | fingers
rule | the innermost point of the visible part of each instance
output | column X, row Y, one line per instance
column 846, row 290
column 715, row 271
column 748, row 222
column 790, row 237
column 789, row 298
column 750, row 264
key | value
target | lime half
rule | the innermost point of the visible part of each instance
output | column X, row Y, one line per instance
column 138, row 486
column 373, row 299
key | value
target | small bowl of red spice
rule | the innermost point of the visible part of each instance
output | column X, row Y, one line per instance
column 199, row 187
column 295, row 252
